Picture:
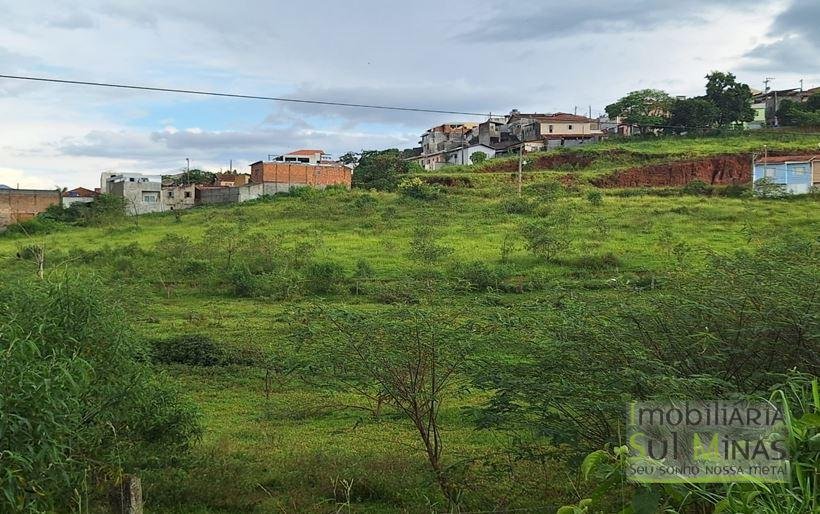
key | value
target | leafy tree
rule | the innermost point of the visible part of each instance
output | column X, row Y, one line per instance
column 732, row 98
column 194, row 176
column 408, row 359
column 813, row 102
column 478, row 157
column 693, row 114
column 379, row 169
column 645, row 108
column 78, row 404
column 732, row 328
column 802, row 114
column 349, row 158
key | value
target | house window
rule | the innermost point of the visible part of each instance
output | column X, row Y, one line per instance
column 131, row 179
column 150, row 197
column 799, row 170
column 570, row 127
column 550, row 129
column 187, row 194
column 170, row 194
column 769, row 172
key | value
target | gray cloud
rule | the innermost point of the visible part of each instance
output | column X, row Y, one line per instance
column 161, row 147
column 534, row 20
column 72, row 20
column 797, row 48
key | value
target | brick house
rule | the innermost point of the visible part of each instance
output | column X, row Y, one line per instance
column 24, row 204
column 311, row 170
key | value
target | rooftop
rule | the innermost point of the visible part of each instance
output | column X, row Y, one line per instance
column 780, row 159
column 306, row 152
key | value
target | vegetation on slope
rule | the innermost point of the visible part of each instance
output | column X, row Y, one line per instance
column 285, row 320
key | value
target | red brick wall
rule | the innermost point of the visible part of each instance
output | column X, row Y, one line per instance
column 23, row 204
column 300, row 174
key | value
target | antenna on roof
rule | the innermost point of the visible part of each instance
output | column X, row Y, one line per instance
column 766, row 84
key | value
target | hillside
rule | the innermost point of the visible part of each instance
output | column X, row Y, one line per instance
column 653, row 162
column 220, row 294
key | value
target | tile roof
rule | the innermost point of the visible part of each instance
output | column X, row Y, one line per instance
column 780, row 159
column 81, row 192
column 306, row 152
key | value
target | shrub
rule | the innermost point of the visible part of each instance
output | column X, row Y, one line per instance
column 545, row 239
column 766, row 188
column 546, row 190
column 595, row 197
column 365, row 203
column 192, row 350
column 363, row 269
column 735, row 191
column 79, row 405
column 417, row 188
column 601, row 262
column 478, row 157
column 303, row 192
column 243, row 283
column 425, row 245
column 517, row 205
column 477, row 276
column 34, row 226
column 697, row 188
column 324, row 277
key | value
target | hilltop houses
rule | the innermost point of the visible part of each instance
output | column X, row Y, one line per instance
column 455, row 143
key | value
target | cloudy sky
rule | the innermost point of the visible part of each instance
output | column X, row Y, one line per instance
column 460, row 55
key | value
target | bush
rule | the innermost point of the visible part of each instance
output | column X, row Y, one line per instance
column 425, row 245
column 78, row 405
column 545, row 239
column 766, row 188
column 478, row 157
column 698, row 188
column 244, row 284
column 365, row 203
column 34, row 226
column 477, row 276
column 735, row 191
column 547, row 190
column 193, row 350
column 517, row 205
column 595, row 197
column 324, row 277
column 417, row 188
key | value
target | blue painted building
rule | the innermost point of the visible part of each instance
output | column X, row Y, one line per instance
column 797, row 172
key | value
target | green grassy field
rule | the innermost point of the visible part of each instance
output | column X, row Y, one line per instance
column 295, row 449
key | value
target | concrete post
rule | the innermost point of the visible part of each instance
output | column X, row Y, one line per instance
column 126, row 497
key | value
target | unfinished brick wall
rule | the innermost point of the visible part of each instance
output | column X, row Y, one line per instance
column 24, row 204
column 300, row 174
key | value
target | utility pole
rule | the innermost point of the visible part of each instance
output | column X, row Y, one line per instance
column 766, row 84
column 188, row 169
column 520, row 161
column 801, row 85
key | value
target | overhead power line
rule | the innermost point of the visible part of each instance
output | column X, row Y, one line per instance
column 236, row 95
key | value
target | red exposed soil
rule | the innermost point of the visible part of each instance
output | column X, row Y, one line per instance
column 717, row 170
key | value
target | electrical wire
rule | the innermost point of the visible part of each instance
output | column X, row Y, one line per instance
column 237, row 95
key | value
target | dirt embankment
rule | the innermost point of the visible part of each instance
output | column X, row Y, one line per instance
column 544, row 162
column 717, row 170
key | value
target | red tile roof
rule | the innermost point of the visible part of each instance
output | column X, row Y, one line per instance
column 81, row 192
column 306, row 152
column 780, row 159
